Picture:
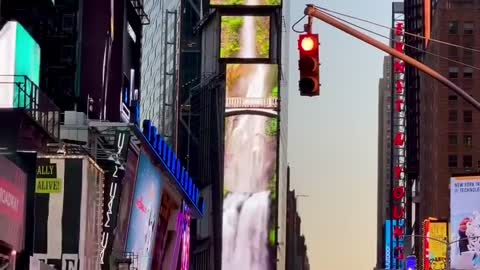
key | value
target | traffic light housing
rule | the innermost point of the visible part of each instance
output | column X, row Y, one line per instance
column 309, row 65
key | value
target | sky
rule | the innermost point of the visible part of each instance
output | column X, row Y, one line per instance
column 332, row 140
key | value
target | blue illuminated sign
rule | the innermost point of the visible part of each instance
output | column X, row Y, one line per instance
column 173, row 165
column 391, row 246
column 411, row 263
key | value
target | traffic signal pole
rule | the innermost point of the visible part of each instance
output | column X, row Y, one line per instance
column 311, row 11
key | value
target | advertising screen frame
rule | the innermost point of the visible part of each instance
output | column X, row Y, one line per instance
column 249, row 60
column 15, row 236
column 433, row 243
column 161, row 182
column 273, row 209
column 463, row 216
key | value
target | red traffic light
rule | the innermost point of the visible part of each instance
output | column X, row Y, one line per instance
column 308, row 65
column 307, row 43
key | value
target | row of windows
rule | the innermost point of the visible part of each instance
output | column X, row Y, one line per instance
column 453, row 139
column 467, row 116
column 453, row 28
column 453, row 72
column 467, row 161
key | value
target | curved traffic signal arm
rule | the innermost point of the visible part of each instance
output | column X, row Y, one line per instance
column 311, row 11
column 308, row 65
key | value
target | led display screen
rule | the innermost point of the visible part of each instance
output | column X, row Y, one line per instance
column 465, row 222
column 245, row 2
column 435, row 245
column 245, row 37
column 144, row 212
column 12, row 203
column 20, row 56
column 250, row 167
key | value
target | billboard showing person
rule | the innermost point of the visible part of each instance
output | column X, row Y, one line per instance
column 465, row 222
column 144, row 212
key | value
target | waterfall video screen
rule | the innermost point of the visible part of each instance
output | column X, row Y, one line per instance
column 250, row 167
column 245, row 2
column 245, row 37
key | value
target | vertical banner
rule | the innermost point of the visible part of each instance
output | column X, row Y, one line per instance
column 437, row 244
column 114, row 174
column 145, row 212
column 426, row 244
column 250, row 167
column 465, row 222
column 185, row 255
column 13, row 185
column 58, row 219
column 398, row 176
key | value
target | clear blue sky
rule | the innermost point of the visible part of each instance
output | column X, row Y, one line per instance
column 333, row 141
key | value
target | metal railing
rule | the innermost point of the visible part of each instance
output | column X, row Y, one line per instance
column 28, row 96
column 243, row 102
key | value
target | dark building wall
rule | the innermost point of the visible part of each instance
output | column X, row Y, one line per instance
column 119, row 55
column 447, row 132
column 95, row 21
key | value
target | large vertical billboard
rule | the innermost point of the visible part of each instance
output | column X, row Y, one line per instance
column 398, row 177
column 68, row 221
column 465, row 222
column 20, row 56
column 144, row 212
column 185, row 235
column 392, row 244
column 435, row 244
column 114, row 174
column 245, row 37
column 13, row 183
column 250, row 167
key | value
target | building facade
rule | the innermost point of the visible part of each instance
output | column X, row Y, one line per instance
column 160, row 65
column 384, row 154
column 296, row 248
column 449, row 126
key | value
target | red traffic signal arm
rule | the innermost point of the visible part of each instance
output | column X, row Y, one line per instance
column 314, row 12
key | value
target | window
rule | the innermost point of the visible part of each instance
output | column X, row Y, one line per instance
column 452, row 139
column 452, row 51
column 452, row 161
column 452, row 27
column 468, row 53
column 68, row 21
column 467, row 140
column 467, row 161
column 467, row 116
column 452, row 116
column 467, row 72
column 453, row 72
column 468, row 28
column 452, row 97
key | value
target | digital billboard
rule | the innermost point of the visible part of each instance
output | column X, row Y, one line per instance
column 250, row 167
column 392, row 246
column 245, row 37
column 13, row 183
column 465, row 222
column 185, row 235
column 20, row 56
column 67, row 225
column 245, row 2
column 144, row 212
column 435, row 245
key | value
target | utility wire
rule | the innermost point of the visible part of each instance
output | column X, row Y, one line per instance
column 392, row 29
column 406, row 45
column 293, row 26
